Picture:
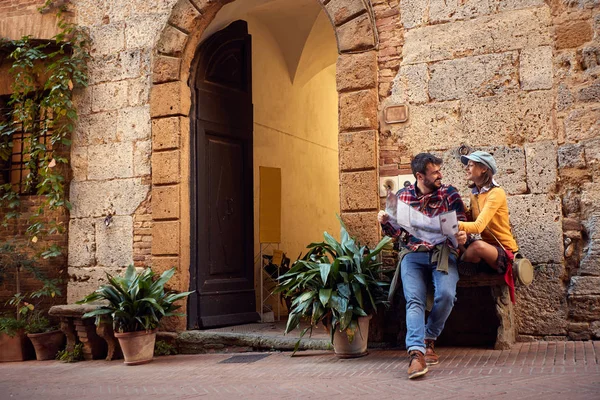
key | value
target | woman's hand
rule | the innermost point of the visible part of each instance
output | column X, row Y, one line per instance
column 461, row 237
column 383, row 217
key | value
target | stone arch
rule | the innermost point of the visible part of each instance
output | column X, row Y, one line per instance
column 170, row 102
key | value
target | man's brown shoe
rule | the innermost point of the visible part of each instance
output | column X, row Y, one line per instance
column 416, row 366
column 430, row 357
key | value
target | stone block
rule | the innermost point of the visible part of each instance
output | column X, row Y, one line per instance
column 165, row 238
column 584, row 308
column 341, row 11
column 359, row 191
column 571, row 156
column 133, row 123
column 107, row 39
column 114, row 243
column 484, row 75
column 358, row 110
column 541, row 166
column 83, row 281
column 165, row 167
column 172, row 41
column 511, row 119
column 165, row 202
column 356, row 71
column 79, row 163
column 410, row 84
column 537, row 226
column 540, row 308
column 114, row 67
column 358, row 150
column 201, row 4
column 582, row 124
column 138, row 91
column 507, row 31
column 584, row 286
column 414, row 12
column 536, row 68
column 443, row 11
column 166, row 132
column 166, row 69
column 109, row 96
column 179, row 281
column 572, row 34
column 168, row 99
column 141, row 30
column 82, row 99
column 363, row 226
column 184, row 16
column 82, row 242
column 93, row 198
column 93, row 129
column 434, row 126
column 505, row 5
column 142, row 156
column 590, row 200
column 564, row 98
column 356, row 35
column 592, row 153
column 109, row 161
column 589, row 94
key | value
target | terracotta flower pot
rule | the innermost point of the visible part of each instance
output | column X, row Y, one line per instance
column 47, row 344
column 343, row 348
column 137, row 347
column 15, row 348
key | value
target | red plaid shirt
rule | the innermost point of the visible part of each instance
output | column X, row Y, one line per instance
column 445, row 199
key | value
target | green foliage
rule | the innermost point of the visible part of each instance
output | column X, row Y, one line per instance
column 71, row 356
column 162, row 348
column 38, row 323
column 136, row 302
column 11, row 326
column 334, row 283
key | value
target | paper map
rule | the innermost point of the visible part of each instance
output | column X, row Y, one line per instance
column 433, row 230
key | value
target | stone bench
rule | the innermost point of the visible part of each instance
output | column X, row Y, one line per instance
column 98, row 341
column 506, row 334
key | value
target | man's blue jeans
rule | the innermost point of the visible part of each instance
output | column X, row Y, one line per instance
column 417, row 269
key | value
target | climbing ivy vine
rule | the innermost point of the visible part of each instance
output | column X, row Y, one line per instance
column 43, row 78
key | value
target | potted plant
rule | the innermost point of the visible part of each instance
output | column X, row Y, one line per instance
column 136, row 302
column 47, row 339
column 339, row 285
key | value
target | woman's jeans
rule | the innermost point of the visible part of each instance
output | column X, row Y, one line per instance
column 417, row 270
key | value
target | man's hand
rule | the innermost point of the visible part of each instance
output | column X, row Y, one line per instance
column 461, row 237
column 383, row 217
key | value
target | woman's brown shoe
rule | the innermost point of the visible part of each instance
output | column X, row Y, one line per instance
column 430, row 357
column 416, row 366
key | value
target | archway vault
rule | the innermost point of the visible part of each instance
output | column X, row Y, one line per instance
column 170, row 104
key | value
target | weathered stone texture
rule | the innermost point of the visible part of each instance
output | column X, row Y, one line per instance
column 138, row 91
column 165, row 238
column 536, row 68
column 411, row 84
column 358, row 191
column 184, row 16
column 109, row 96
column 341, row 11
column 364, row 226
column 171, row 98
column 441, row 11
column 414, row 12
column 166, row 69
column 165, row 167
column 541, row 166
column 504, row 5
column 83, row 281
column 82, row 242
column 358, row 110
column 541, row 308
column 502, row 32
column 142, row 31
column 571, row 156
column 358, row 150
column 572, row 34
column 114, row 243
column 166, row 133
column 142, row 156
column 356, row 34
column 107, row 39
column 537, row 227
column 584, row 286
column 97, row 128
column 582, row 124
column 79, row 163
column 356, row 71
column 162, row 264
column 484, row 75
column 133, row 123
column 584, row 308
column 92, row 198
column 114, row 67
column 171, row 41
column 165, row 202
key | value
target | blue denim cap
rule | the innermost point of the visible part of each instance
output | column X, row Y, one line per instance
column 481, row 157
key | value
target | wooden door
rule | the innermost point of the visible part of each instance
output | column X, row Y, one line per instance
column 222, row 271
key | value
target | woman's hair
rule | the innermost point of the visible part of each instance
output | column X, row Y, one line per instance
column 488, row 176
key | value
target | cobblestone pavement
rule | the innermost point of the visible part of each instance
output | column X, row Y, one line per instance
column 544, row 370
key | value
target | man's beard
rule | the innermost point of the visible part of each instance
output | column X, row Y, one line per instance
column 432, row 185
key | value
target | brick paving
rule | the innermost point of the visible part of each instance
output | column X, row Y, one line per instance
column 548, row 370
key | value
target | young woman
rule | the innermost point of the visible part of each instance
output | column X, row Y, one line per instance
column 489, row 211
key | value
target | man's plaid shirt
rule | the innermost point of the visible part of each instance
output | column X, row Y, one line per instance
column 445, row 199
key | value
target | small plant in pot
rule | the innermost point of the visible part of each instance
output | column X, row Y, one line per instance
column 47, row 339
column 136, row 302
column 339, row 285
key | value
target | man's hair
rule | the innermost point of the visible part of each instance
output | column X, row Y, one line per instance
column 421, row 161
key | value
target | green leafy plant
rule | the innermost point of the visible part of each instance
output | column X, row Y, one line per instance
column 334, row 283
column 71, row 356
column 162, row 348
column 136, row 302
column 11, row 326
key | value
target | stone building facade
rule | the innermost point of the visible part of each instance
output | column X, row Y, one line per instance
column 518, row 78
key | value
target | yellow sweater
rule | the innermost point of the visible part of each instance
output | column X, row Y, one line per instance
column 490, row 209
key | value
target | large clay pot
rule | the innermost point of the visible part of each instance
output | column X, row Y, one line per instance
column 137, row 347
column 343, row 348
column 15, row 348
column 47, row 344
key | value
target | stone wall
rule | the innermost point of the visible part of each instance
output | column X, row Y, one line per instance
column 517, row 79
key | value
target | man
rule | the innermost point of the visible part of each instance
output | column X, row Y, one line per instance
column 421, row 263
